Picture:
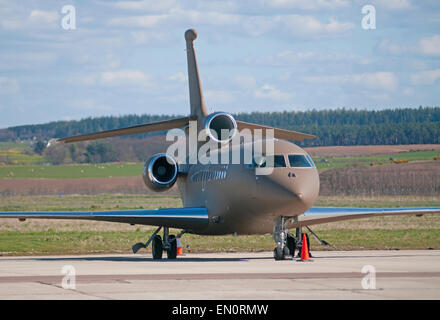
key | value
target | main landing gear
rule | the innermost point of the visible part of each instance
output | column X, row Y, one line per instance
column 159, row 245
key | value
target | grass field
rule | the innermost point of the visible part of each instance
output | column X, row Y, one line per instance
column 51, row 237
column 410, row 156
column 72, row 171
column 19, row 154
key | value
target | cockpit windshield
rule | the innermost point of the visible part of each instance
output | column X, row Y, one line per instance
column 279, row 161
column 299, row 161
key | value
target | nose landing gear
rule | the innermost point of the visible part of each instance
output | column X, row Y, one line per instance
column 286, row 242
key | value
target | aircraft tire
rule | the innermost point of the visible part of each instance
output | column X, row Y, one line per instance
column 290, row 243
column 172, row 251
column 278, row 253
column 286, row 252
column 157, row 247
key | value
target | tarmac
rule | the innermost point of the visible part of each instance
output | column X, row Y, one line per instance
column 384, row 274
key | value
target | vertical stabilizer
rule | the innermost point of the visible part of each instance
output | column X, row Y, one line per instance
column 197, row 105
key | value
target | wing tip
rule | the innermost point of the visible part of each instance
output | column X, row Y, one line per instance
column 54, row 142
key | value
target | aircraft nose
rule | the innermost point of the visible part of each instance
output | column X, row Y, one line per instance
column 305, row 187
column 296, row 191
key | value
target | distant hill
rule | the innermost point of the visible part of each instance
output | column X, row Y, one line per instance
column 332, row 127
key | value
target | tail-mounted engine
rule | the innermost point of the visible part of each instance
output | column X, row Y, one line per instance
column 221, row 126
column 160, row 172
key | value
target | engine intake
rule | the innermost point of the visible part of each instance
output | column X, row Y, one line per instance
column 160, row 172
column 221, row 126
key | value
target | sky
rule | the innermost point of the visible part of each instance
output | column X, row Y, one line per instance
column 68, row 60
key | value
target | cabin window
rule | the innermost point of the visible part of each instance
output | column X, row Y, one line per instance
column 298, row 161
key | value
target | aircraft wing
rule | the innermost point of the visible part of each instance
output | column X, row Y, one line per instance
column 180, row 218
column 318, row 215
column 278, row 133
column 143, row 128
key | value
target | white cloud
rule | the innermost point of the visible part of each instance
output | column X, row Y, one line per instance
column 149, row 5
column 216, row 97
column 26, row 60
column 142, row 37
column 307, row 4
column 245, row 82
column 8, row 85
column 90, row 105
column 40, row 16
column 270, row 92
column 425, row 47
column 430, row 46
column 124, row 77
column 375, row 81
column 408, row 91
column 307, row 24
column 425, row 77
column 206, row 17
column 146, row 21
column 37, row 19
column 178, row 16
column 294, row 24
column 392, row 4
column 390, row 47
column 179, row 76
column 290, row 58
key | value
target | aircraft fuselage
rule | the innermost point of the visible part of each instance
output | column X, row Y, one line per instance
column 243, row 202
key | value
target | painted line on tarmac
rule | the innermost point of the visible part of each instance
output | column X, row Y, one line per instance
column 214, row 276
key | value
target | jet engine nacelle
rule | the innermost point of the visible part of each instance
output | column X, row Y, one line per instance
column 160, row 172
column 221, row 126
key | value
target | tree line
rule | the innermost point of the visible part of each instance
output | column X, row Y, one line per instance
column 331, row 127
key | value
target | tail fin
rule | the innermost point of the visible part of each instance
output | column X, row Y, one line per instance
column 197, row 105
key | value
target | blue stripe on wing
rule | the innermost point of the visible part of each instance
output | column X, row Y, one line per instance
column 343, row 210
column 187, row 214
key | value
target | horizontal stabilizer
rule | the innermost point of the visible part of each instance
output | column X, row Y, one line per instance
column 143, row 128
column 181, row 218
column 278, row 133
column 319, row 215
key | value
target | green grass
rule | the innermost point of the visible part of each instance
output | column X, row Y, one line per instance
column 13, row 153
column 72, row 171
column 333, row 162
column 51, row 242
column 14, row 145
column 87, row 203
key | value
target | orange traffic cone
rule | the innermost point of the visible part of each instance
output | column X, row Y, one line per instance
column 179, row 247
column 304, row 249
